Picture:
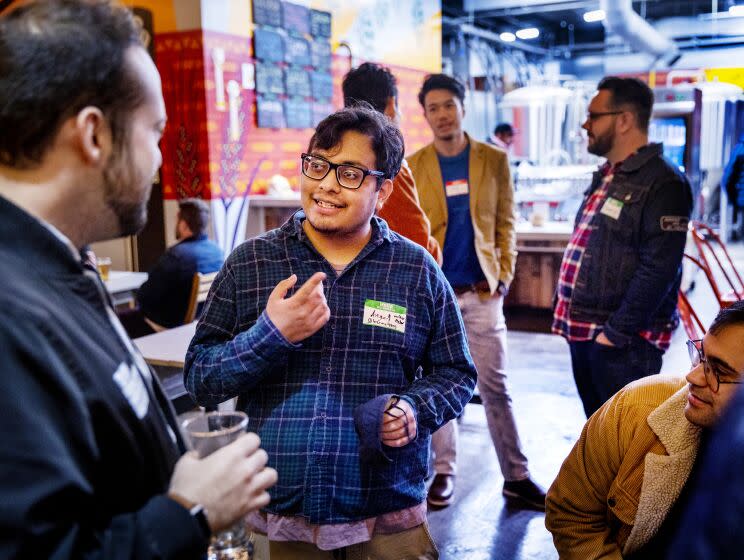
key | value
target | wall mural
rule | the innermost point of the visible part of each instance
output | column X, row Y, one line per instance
column 225, row 140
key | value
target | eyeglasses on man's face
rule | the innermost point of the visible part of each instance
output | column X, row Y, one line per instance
column 348, row 176
column 592, row 116
column 715, row 375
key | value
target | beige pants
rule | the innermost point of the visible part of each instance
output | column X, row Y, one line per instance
column 412, row 544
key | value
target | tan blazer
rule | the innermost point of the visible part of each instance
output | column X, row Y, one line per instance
column 491, row 206
column 624, row 474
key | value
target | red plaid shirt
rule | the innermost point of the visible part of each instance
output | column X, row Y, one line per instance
column 576, row 331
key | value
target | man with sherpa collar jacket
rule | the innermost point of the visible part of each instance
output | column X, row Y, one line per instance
column 627, row 473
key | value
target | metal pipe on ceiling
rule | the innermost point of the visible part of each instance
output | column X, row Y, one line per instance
column 637, row 32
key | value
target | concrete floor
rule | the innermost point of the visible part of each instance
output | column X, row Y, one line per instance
column 479, row 525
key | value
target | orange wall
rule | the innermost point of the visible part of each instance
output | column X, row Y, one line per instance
column 199, row 157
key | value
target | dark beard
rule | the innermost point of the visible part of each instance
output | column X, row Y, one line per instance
column 601, row 146
column 131, row 216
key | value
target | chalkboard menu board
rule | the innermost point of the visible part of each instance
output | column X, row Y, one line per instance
column 298, row 52
column 321, row 111
column 322, row 86
column 293, row 80
column 321, row 54
column 297, row 82
column 269, row 79
column 320, row 23
column 296, row 18
column 270, row 113
column 267, row 12
column 268, row 45
column 298, row 113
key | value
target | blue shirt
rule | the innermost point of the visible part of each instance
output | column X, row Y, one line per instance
column 460, row 262
column 301, row 398
column 164, row 297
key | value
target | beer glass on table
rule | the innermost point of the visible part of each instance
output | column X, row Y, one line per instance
column 104, row 267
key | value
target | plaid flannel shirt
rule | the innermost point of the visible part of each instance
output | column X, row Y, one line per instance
column 577, row 331
column 301, row 398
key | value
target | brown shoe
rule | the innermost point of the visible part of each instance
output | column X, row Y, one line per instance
column 442, row 490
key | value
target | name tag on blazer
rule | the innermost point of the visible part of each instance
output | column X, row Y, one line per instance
column 456, row 188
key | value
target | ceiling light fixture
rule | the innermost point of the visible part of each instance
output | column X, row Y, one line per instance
column 594, row 15
column 508, row 37
column 528, row 33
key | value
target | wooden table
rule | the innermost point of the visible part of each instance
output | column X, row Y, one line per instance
column 167, row 348
column 166, row 352
column 540, row 251
column 123, row 285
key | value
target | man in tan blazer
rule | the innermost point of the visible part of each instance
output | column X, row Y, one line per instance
column 621, row 491
column 466, row 191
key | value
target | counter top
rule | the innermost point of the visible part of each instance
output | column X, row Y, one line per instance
column 550, row 231
column 274, row 201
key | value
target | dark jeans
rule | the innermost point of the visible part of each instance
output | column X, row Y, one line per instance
column 601, row 371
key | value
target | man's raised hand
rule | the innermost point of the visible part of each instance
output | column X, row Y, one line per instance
column 303, row 314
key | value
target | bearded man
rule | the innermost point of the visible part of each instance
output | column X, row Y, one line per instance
column 616, row 299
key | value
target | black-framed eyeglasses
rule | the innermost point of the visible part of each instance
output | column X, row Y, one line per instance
column 712, row 374
column 348, row 176
column 591, row 117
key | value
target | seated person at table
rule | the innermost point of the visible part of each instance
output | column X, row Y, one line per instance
column 623, row 487
column 344, row 344
column 164, row 298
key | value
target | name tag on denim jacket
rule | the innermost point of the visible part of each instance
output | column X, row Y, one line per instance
column 612, row 208
column 456, row 188
column 385, row 315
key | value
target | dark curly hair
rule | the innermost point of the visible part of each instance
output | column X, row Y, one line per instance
column 56, row 58
column 372, row 83
column 387, row 140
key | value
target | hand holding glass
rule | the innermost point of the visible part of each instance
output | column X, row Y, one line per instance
column 208, row 433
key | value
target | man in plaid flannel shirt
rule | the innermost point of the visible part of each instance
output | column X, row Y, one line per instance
column 616, row 300
column 344, row 344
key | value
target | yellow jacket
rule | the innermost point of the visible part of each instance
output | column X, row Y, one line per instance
column 491, row 206
column 624, row 474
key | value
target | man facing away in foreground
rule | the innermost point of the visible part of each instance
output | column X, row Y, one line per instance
column 622, row 490
column 345, row 347
column 91, row 464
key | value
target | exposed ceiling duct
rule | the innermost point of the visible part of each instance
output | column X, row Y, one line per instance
column 637, row 32
column 481, row 5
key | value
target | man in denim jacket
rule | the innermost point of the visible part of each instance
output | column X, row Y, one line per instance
column 616, row 300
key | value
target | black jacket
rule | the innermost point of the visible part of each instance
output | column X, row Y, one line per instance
column 89, row 440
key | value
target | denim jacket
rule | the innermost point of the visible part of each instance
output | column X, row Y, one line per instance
column 631, row 268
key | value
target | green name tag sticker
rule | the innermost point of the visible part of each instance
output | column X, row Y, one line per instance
column 385, row 315
column 612, row 208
